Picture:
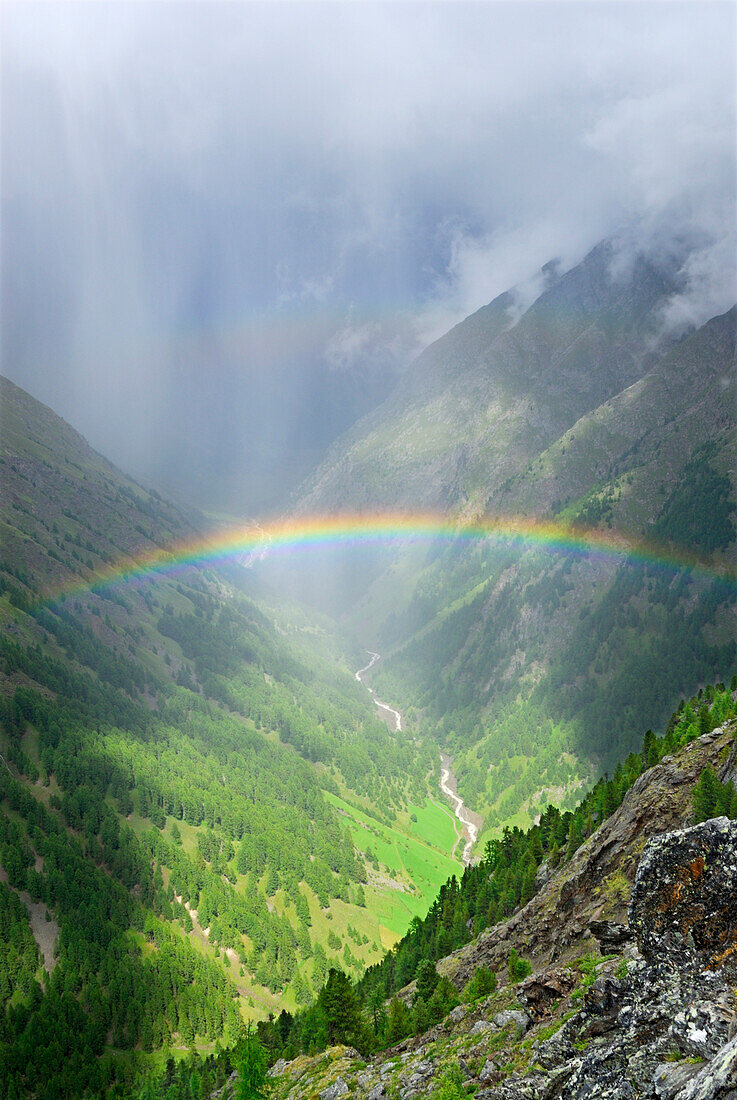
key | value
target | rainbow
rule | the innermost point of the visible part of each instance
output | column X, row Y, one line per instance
column 249, row 543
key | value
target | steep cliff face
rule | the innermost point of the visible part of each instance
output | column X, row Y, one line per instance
column 633, row 945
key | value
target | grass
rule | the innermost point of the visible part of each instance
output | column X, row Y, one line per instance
column 435, row 825
column 417, row 860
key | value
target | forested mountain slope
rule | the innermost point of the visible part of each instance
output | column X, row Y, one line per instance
column 576, row 958
column 199, row 808
column 534, row 666
column 614, row 979
column 537, row 663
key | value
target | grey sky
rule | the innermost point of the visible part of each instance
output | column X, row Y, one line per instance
column 226, row 225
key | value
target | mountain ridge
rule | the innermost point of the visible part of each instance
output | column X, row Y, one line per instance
column 705, row 394
column 485, row 647
column 497, row 387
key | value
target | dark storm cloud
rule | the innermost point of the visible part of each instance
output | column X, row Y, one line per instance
column 210, row 209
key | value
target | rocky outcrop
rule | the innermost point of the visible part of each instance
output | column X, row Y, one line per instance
column 651, row 1031
column 611, row 936
column 334, row 1091
column 654, row 1018
column 662, row 1028
column 589, row 897
column 546, row 988
column 684, row 902
column 717, row 1080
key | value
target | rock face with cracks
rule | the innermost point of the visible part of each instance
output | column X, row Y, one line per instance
column 663, row 1030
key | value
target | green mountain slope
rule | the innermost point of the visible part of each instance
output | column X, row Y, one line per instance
column 185, row 763
column 530, row 911
column 536, row 667
column 491, row 394
column 617, row 463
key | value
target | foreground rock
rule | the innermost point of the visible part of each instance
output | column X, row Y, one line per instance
column 591, row 894
column 663, row 1027
column 685, row 897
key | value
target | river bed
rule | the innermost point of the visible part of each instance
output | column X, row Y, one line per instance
column 471, row 822
column 383, row 706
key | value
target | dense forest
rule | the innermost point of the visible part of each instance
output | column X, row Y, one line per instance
column 182, row 844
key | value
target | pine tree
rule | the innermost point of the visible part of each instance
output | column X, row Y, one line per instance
column 452, row 1086
column 518, row 968
column 649, row 749
column 705, row 795
column 400, row 1021
column 704, row 719
column 340, row 1005
column 303, row 909
column 420, row 1016
column 253, row 1083
column 427, row 979
column 575, row 834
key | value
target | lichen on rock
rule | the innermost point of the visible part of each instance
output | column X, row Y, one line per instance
column 684, row 899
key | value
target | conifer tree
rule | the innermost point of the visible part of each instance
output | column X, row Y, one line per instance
column 399, row 1023
column 705, row 795
column 518, row 968
column 340, row 1005
column 253, row 1083
column 427, row 979
column 704, row 719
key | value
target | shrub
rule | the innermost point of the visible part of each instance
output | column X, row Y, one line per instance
column 518, row 968
column 481, row 984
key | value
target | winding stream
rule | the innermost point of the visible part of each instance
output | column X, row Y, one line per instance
column 384, row 706
column 447, row 779
column 470, row 828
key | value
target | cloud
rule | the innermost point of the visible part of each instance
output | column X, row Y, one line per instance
column 341, row 181
column 642, row 148
column 350, row 345
column 370, row 346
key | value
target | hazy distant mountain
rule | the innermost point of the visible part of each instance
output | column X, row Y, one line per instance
column 618, row 461
column 491, row 394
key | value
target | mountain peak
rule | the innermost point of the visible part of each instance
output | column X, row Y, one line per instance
column 483, row 401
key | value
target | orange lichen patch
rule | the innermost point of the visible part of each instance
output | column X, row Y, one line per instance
column 697, row 867
column 718, row 960
column 671, row 894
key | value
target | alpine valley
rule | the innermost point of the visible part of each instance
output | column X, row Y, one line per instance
column 218, row 854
